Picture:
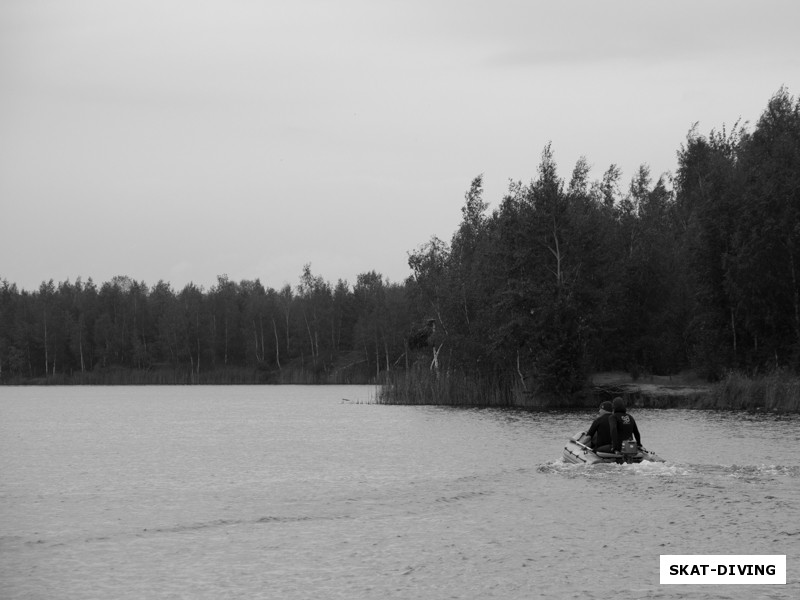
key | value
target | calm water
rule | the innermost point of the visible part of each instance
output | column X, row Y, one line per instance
column 291, row 492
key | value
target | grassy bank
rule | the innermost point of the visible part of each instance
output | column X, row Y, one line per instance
column 774, row 392
column 777, row 392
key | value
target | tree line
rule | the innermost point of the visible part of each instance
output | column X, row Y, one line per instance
column 244, row 331
column 696, row 269
column 700, row 269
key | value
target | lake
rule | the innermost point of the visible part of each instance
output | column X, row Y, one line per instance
column 317, row 492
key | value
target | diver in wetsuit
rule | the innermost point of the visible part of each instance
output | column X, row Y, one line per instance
column 599, row 433
column 623, row 426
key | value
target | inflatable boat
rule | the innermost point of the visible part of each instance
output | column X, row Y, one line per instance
column 578, row 453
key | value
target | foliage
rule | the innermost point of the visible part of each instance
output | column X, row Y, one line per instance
column 700, row 270
column 235, row 332
column 562, row 278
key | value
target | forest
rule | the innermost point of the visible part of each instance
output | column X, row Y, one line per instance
column 696, row 269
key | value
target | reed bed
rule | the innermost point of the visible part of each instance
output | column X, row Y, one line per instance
column 420, row 386
column 774, row 392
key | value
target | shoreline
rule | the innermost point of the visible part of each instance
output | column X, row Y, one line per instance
column 772, row 393
column 685, row 390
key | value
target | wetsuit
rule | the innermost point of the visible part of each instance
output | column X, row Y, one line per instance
column 602, row 427
column 623, row 426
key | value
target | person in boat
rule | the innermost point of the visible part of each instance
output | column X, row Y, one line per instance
column 623, row 426
column 599, row 433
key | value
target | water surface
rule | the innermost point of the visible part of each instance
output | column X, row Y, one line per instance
column 313, row 492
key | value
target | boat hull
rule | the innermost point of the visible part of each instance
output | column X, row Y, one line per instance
column 577, row 453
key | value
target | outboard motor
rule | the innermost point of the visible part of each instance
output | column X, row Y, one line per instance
column 629, row 449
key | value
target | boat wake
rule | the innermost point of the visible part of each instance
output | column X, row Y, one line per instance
column 601, row 470
column 745, row 473
column 750, row 472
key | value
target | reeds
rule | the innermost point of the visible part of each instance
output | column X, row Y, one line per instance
column 775, row 392
column 420, row 386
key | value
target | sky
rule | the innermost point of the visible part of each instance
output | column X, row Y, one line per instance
column 181, row 140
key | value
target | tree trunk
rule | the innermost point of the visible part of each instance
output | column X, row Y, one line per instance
column 521, row 376
column 263, row 347
column 277, row 345
column 287, row 330
column 377, row 360
column 796, row 296
column 46, row 357
column 435, row 361
column 310, row 337
column 255, row 339
column 466, row 308
column 557, row 254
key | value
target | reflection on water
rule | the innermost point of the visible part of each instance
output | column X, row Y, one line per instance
column 288, row 492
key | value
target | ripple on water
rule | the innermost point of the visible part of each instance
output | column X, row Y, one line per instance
column 647, row 469
column 251, row 492
column 744, row 472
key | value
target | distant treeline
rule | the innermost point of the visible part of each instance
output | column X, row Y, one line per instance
column 699, row 269
column 126, row 332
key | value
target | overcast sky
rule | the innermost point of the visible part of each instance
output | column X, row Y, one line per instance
column 184, row 139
